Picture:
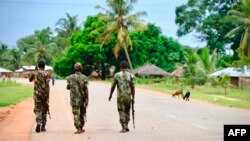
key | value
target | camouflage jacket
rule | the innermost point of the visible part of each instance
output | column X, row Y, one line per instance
column 41, row 78
column 124, row 81
column 77, row 84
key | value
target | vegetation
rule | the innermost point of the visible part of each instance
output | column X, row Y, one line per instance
column 235, row 97
column 12, row 93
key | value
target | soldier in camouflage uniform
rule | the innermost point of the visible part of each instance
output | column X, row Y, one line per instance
column 77, row 83
column 41, row 95
column 125, row 94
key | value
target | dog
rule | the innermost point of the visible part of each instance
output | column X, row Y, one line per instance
column 178, row 93
column 186, row 97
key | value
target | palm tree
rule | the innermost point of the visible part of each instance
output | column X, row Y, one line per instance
column 191, row 67
column 43, row 48
column 3, row 51
column 240, row 15
column 119, row 22
column 15, row 59
column 208, row 61
column 67, row 26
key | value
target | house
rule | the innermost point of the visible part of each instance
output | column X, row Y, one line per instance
column 150, row 70
column 239, row 77
column 25, row 71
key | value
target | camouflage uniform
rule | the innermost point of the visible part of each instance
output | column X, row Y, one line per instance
column 124, row 82
column 40, row 96
column 78, row 102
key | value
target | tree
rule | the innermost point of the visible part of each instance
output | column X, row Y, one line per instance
column 239, row 14
column 3, row 52
column 150, row 46
column 224, row 82
column 207, row 19
column 192, row 71
column 118, row 23
column 208, row 61
column 67, row 26
column 14, row 61
column 83, row 49
column 38, row 47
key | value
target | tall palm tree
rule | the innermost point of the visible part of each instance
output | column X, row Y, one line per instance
column 119, row 22
column 208, row 61
column 3, row 51
column 67, row 26
column 44, row 48
column 240, row 14
column 15, row 59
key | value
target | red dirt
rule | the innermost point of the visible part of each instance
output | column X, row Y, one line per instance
column 16, row 121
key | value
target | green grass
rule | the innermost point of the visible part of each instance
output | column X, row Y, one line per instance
column 12, row 93
column 235, row 97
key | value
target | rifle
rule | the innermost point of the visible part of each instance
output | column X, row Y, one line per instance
column 133, row 115
column 47, row 101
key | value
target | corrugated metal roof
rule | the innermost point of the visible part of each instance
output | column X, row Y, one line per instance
column 233, row 72
column 4, row 70
column 33, row 67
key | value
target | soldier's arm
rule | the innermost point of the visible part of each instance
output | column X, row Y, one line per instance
column 86, row 92
column 68, row 84
column 32, row 77
column 112, row 88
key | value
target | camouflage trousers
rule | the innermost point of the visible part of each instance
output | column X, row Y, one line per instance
column 40, row 110
column 124, row 105
column 79, row 113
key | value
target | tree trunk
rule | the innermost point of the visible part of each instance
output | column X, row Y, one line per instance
column 127, row 55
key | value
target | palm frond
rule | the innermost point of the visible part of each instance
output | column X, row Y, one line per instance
column 233, row 32
column 117, row 48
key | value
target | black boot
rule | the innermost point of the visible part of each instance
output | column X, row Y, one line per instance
column 43, row 128
column 38, row 128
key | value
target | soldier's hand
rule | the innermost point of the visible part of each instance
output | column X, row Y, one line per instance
column 110, row 97
column 132, row 101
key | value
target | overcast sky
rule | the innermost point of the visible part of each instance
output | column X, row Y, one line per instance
column 20, row 18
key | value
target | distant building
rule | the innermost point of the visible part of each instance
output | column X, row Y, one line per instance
column 25, row 71
column 150, row 70
column 239, row 77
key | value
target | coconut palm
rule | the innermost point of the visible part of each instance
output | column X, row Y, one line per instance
column 119, row 22
column 43, row 48
column 240, row 14
column 208, row 60
column 67, row 26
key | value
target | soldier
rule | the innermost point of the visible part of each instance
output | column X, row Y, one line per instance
column 125, row 94
column 41, row 95
column 77, row 83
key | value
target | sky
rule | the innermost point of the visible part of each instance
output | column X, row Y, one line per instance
column 20, row 18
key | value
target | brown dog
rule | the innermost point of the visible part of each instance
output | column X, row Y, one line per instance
column 178, row 93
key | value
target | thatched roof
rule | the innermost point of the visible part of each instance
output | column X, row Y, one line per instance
column 150, row 70
column 178, row 72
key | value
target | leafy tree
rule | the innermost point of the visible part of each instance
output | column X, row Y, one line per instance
column 118, row 23
column 207, row 19
column 224, row 82
column 239, row 14
column 152, row 47
column 83, row 49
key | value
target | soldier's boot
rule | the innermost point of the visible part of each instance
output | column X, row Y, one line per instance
column 79, row 130
column 38, row 127
column 43, row 128
column 123, row 129
column 126, row 128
